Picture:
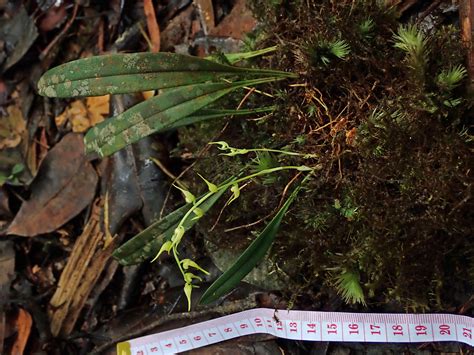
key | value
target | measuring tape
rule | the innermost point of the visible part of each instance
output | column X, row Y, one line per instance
column 307, row 325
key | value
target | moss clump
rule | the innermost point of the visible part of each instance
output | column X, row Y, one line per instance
column 389, row 216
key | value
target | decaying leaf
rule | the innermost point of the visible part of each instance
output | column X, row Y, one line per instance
column 12, row 128
column 84, row 116
column 64, row 186
column 18, row 34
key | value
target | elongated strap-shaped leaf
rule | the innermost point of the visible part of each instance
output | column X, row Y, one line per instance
column 233, row 58
column 125, row 73
column 254, row 253
column 209, row 114
column 147, row 243
column 157, row 114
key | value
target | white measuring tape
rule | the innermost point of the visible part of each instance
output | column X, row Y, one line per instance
column 307, row 325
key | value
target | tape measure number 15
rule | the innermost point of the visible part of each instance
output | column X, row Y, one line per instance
column 307, row 325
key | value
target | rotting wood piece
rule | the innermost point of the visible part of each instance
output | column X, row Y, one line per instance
column 85, row 264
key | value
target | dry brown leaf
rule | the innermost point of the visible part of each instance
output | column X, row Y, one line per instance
column 23, row 326
column 53, row 18
column 12, row 128
column 237, row 24
column 84, row 116
column 97, row 108
column 148, row 94
column 64, row 186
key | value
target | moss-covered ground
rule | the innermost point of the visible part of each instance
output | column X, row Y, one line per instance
column 388, row 217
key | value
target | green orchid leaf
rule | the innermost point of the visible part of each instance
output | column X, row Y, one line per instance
column 233, row 58
column 125, row 73
column 157, row 114
column 254, row 253
column 208, row 114
column 146, row 244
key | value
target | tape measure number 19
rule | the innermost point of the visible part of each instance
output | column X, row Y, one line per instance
column 307, row 325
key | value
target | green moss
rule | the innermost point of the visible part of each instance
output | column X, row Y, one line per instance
column 391, row 206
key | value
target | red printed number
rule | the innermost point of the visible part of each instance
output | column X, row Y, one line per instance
column 293, row 327
column 243, row 326
column 228, row 330
column 197, row 338
column 375, row 329
column 311, row 327
column 420, row 330
column 211, row 334
column 397, row 329
column 258, row 322
column 354, row 328
column 168, row 345
column 183, row 341
column 154, row 349
column 332, row 328
column 467, row 333
column 444, row 329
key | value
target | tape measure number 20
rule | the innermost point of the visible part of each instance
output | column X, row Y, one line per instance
column 307, row 325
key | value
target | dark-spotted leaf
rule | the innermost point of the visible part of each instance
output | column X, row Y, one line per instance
column 254, row 253
column 157, row 114
column 126, row 73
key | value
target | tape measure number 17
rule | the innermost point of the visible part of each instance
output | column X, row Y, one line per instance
column 308, row 325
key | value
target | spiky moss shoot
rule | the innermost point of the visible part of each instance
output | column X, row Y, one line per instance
column 388, row 217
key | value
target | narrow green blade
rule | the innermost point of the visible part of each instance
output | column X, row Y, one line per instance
column 208, row 114
column 254, row 253
column 147, row 243
column 233, row 58
column 157, row 114
column 125, row 73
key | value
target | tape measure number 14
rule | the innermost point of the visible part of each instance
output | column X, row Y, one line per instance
column 307, row 325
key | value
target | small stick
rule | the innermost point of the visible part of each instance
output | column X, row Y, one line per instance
column 66, row 27
column 285, row 190
column 152, row 25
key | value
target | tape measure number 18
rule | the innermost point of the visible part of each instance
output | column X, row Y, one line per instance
column 308, row 325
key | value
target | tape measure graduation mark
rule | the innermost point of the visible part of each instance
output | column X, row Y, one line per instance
column 307, row 325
